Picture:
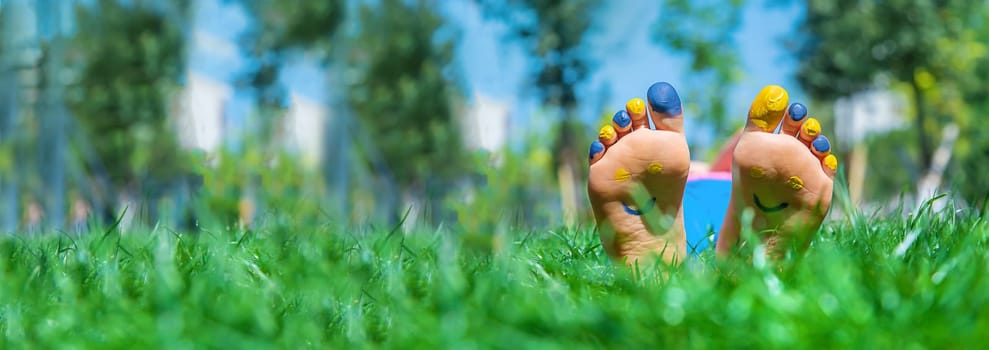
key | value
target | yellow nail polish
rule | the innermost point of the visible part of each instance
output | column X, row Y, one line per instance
column 636, row 106
column 757, row 172
column 607, row 132
column 831, row 162
column 768, row 107
column 811, row 128
column 622, row 175
column 655, row 168
column 795, row 182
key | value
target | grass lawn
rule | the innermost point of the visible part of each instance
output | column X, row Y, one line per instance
column 912, row 281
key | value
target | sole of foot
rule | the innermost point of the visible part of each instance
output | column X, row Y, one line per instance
column 637, row 177
column 782, row 173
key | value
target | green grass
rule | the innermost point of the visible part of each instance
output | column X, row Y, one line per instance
column 322, row 287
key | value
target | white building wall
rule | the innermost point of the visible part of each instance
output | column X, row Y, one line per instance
column 304, row 127
column 486, row 126
column 200, row 123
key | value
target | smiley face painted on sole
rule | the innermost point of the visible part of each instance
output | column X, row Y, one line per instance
column 784, row 178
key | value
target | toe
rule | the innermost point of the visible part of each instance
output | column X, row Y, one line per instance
column 622, row 123
column 809, row 130
column 596, row 152
column 767, row 109
column 607, row 135
column 665, row 107
column 821, row 146
column 830, row 164
column 636, row 109
column 795, row 116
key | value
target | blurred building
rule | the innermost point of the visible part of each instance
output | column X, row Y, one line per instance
column 206, row 121
column 857, row 117
column 486, row 125
column 866, row 113
column 200, row 120
column 304, row 129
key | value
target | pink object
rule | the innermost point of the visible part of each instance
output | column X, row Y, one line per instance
column 714, row 175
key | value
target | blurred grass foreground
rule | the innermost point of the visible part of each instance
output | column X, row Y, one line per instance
column 258, row 173
column 916, row 281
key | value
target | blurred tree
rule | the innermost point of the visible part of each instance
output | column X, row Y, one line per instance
column 132, row 59
column 703, row 31
column 931, row 47
column 403, row 97
column 278, row 29
column 552, row 32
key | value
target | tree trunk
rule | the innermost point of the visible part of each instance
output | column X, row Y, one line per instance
column 921, row 117
column 567, row 172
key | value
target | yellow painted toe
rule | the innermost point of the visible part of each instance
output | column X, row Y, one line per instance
column 635, row 106
column 607, row 132
column 768, row 107
column 831, row 162
column 811, row 128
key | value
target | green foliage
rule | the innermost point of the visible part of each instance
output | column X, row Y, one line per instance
column 927, row 45
column 703, row 31
column 291, row 285
column 927, row 49
column 132, row 58
column 513, row 191
column 403, row 94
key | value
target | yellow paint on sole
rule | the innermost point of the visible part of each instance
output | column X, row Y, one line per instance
column 811, row 128
column 757, row 172
column 795, row 182
column 655, row 168
column 768, row 107
column 607, row 132
column 622, row 175
column 831, row 162
column 635, row 106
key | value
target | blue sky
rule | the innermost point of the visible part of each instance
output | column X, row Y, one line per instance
column 627, row 60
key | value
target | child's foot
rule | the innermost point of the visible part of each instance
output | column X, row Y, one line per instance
column 785, row 179
column 637, row 176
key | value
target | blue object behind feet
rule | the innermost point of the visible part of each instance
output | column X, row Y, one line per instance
column 705, row 201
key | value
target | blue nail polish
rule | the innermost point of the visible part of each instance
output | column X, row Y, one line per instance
column 798, row 112
column 596, row 147
column 663, row 98
column 821, row 144
column 621, row 119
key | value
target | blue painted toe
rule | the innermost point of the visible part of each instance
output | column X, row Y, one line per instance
column 821, row 144
column 621, row 119
column 596, row 147
column 798, row 112
column 663, row 98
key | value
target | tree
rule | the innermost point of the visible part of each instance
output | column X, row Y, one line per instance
column 927, row 46
column 703, row 31
column 131, row 59
column 280, row 28
column 552, row 32
column 403, row 97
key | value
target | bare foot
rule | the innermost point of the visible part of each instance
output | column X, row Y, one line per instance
column 785, row 179
column 637, row 177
